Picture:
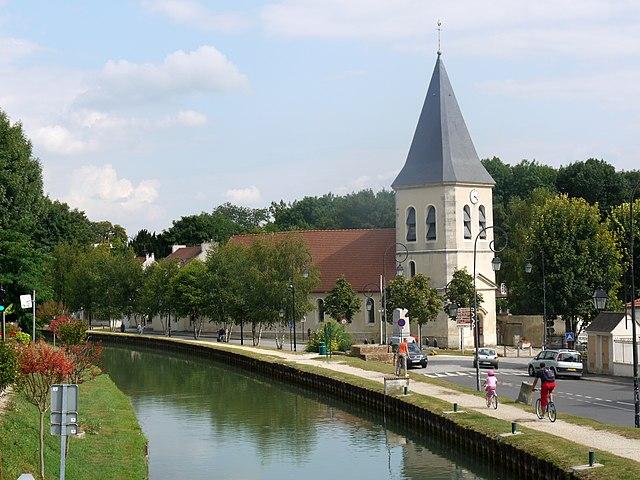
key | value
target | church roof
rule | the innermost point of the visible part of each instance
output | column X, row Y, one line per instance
column 441, row 150
column 355, row 254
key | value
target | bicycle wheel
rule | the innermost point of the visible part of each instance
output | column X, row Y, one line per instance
column 539, row 412
column 551, row 411
column 494, row 401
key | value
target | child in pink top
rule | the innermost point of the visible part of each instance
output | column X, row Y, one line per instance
column 490, row 384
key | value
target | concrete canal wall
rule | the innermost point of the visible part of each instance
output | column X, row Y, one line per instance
column 497, row 455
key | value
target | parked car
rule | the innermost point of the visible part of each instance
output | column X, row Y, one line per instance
column 416, row 356
column 562, row 361
column 486, row 357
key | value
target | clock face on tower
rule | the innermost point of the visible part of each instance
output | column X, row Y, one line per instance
column 474, row 196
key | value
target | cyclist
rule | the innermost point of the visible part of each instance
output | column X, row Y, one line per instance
column 490, row 384
column 547, row 379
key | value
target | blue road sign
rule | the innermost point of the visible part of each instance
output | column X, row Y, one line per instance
column 569, row 337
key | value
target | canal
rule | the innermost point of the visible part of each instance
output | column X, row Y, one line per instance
column 207, row 420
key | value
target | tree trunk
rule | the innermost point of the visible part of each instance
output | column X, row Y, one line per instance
column 42, row 445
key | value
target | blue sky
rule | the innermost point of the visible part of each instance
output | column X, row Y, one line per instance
column 143, row 111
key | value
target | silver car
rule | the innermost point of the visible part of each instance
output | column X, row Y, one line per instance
column 562, row 361
column 487, row 357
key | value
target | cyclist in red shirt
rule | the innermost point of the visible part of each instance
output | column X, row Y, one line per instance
column 547, row 378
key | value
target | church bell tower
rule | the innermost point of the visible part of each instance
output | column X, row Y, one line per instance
column 443, row 200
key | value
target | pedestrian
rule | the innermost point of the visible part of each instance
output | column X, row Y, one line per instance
column 140, row 328
column 403, row 353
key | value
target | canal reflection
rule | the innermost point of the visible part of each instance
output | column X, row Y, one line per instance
column 207, row 420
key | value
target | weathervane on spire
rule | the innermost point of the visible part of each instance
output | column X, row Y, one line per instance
column 439, row 30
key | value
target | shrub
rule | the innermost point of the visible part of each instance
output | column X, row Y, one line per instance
column 69, row 330
column 22, row 338
column 334, row 333
column 85, row 357
column 8, row 364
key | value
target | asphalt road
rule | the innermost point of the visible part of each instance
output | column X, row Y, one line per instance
column 604, row 399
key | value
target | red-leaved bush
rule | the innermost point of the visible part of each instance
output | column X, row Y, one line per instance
column 85, row 357
column 39, row 366
column 55, row 324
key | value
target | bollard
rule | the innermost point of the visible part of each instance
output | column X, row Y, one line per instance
column 592, row 458
column 514, row 428
column 455, row 407
column 518, row 350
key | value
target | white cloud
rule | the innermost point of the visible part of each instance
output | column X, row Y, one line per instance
column 102, row 194
column 194, row 14
column 59, row 140
column 205, row 70
column 190, row 118
column 244, row 196
column 13, row 48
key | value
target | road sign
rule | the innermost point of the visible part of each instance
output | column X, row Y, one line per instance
column 25, row 301
column 71, row 429
column 56, row 418
column 56, row 398
column 463, row 318
column 401, row 322
column 569, row 337
column 64, row 417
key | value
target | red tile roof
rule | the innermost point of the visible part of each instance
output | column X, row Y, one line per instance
column 635, row 304
column 356, row 254
column 184, row 254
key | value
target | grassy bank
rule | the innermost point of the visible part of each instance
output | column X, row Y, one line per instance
column 112, row 446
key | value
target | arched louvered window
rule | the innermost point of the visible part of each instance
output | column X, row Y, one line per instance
column 411, row 224
column 482, row 221
column 371, row 311
column 431, row 223
column 466, row 213
column 320, row 310
column 412, row 269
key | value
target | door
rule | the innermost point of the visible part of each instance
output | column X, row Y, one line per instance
column 605, row 353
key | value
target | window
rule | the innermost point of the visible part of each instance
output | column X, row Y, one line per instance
column 411, row 224
column 412, row 269
column 482, row 221
column 371, row 311
column 466, row 213
column 431, row 223
column 320, row 310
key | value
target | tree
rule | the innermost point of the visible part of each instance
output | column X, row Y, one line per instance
column 618, row 223
column 580, row 256
column 40, row 366
column 342, row 302
column 594, row 180
column 189, row 287
column 422, row 302
column 8, row 363
column 145, row 243
column 59, row 223
column 47, row 311
column 460, row 290
column 156, row 295
column 106, row 232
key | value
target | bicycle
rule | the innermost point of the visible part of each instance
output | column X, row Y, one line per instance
column 492, row 399
column 550, row 411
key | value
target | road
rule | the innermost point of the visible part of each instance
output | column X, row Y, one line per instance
column 605, row 399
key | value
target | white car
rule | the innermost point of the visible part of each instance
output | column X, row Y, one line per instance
column 487, row 357
column 563, row 362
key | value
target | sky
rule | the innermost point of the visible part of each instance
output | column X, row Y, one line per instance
column 142, row 111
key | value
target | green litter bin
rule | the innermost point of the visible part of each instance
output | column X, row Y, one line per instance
column 322, row 348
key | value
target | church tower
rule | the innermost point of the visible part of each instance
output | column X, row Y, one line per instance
column 443, row 199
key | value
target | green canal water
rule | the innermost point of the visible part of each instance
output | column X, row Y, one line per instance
column 206, row 420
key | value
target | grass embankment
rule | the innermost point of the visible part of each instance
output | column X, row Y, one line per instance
column 112, row 447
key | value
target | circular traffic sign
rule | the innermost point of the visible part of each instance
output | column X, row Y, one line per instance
column 401, row 322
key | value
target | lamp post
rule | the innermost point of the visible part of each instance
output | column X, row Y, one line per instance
column 496, row 263
column 528, row 268
column 636, row 393
column 400, row 257
column 305, row 274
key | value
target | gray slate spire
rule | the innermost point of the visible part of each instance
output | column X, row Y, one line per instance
column 441, row 150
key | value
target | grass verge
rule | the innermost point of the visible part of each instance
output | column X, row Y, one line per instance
column 113, row 445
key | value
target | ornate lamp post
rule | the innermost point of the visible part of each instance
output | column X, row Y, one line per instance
column 401, row 254
column 528, row 268
column 600, row 298
column 305, row 274
column 636, row 392
column 496, row 263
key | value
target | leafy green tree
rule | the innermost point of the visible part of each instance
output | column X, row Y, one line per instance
column 156, row 295
column 145, row 243
column 594, row 180
column 189, row 287
column 460, row 290
column 618, row 223
column 21, row 194
column 422, row 302
column 107, row 232
column 342, row 301
column 580, row 255
column 333, row 334
column 59, row 223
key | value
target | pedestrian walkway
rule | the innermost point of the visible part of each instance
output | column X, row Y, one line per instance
column 587, row 436
column 472, row 373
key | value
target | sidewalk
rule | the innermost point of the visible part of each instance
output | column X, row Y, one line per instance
column 589, row 437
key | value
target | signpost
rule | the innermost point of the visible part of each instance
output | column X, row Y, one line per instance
column 463, row 319
column 27, row 301
column 64, row 417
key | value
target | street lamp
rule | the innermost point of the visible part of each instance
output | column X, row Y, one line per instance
column 496, row 263
column 400, row 257
column 305, row 274
column 528, row 268
column 634, row 340
column 600, row 298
